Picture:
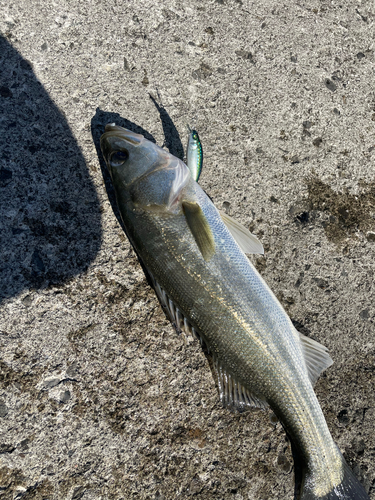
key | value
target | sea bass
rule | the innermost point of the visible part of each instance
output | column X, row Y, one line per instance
column 207, row 286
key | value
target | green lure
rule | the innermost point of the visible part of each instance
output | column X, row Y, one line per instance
column 194, row 154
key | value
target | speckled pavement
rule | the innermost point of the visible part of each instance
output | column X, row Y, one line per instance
column 99, row 397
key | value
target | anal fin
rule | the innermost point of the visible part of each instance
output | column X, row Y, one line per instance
column 232, row 393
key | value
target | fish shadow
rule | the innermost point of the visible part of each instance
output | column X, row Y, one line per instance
column 50, row 226
column 172, row 137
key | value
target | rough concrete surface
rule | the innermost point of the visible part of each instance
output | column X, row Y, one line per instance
column 99, row 397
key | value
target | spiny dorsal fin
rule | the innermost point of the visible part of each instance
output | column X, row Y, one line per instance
column 245, row 240
column 316, row 357
column 199, row 228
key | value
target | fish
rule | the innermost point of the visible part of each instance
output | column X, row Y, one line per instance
column 209, row 288
column 194, row 154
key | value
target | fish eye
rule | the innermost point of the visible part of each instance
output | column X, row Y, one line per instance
column 195, row 136
column 118, row 158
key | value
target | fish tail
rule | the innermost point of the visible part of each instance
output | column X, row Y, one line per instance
column 349, row 489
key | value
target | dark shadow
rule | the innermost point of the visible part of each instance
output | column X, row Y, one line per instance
column 172, row 137
column 49, row 210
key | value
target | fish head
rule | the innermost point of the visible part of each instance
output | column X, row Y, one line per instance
column 128, row 155
column 146, row 174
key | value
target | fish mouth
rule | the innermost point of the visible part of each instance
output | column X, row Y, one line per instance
column 113, row 130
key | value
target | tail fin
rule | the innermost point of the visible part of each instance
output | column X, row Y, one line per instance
column 349, row 488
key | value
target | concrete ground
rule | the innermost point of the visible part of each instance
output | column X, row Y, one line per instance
column 99, row 398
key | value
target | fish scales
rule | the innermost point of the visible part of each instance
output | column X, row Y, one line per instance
column 189, row 252
column 243, row 305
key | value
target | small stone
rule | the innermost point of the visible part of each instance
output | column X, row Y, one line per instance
column 293, row 59
column 358, row 446
column 65, row 396
column 51, row 382
column 336, row 111
column 6, row 448
column 24, row 444
column 5, row 92
column 273, row 419
column 321, row 282
column 317, row 142
column 3, row 409
column 26, row 65
column 306, row 124
column 44, row 46
column 5, row 176
column 303, row 217
column 245, row 54
column 49, row 470
column 226, row 206
column 72, row 370
column 294, row 159
column 343, row 417
column 37, row 263
column 159, row 496
column 204, row 71
column 330, row 85
column 364, row 314
column 283, row 462
column 78, row 493
column 360, row 55
column 27, row 300
column 370, row 235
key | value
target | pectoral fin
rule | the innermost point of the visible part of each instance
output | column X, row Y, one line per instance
column 245, row 240
column 199, row 228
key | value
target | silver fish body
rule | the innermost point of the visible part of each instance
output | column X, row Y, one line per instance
column 208, row 285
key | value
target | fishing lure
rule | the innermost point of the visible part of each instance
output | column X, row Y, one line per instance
column 194, row 154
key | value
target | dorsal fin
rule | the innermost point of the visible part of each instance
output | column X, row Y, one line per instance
column 316, row 357
column 199, row 228
column 245, row 240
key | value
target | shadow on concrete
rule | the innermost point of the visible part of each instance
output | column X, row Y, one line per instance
column 172, row 137
column 49, row 210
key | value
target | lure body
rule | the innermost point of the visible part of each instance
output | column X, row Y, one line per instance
column 194, row 154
